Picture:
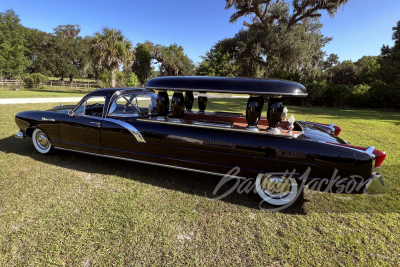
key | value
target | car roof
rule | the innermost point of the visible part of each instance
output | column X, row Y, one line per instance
column 236, row 85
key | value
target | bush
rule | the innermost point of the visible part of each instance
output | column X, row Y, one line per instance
column 34, row 80
column 132, row 80
column 338, row 95
column 105, row 78
column 360, row 95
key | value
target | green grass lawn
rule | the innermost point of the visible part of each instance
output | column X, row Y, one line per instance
column 48, row 91
column 74, row 209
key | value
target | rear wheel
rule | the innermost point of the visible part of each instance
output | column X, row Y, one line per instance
column 276, row 190
column 41, row 142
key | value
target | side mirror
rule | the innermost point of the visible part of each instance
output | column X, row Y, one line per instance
column 71, row 113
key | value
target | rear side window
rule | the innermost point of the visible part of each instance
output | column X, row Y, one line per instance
column 132, row 105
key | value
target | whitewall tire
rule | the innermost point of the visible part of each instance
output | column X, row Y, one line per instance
column 277, row 190
column 41, row 142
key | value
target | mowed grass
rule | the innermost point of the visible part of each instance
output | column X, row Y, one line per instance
column 79, row 210
column 48, row 91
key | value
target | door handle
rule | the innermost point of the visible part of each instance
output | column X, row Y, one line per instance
column 97, row 123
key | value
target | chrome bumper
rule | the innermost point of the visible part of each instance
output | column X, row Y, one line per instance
column 20, row 135
column 376, row 186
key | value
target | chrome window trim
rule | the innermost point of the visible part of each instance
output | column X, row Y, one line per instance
column 151, row 163
column 135, row 132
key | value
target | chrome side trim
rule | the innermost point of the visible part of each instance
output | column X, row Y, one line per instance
column 366, row 151
column 214, row 124
column 228, row 114
column 152, row 163
column 130, row 128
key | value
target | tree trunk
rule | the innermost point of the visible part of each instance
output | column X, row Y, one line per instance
column 113, row 78
column 71, row 77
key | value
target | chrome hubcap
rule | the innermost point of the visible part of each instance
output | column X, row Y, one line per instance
column 276, row 187
column 42, row 141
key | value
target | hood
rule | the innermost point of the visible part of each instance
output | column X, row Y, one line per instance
column 62, row 109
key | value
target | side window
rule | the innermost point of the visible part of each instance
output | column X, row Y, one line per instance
column 92, row 106
column 132, row 105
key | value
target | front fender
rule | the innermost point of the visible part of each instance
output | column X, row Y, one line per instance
column 49, row 122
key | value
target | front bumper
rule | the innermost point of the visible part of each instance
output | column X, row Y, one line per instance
column 20, row 135
column 376, row 186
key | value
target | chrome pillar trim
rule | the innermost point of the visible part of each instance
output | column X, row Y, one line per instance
column 152, row 163
column 20, row 135
column 130, row 128
column 376, row 186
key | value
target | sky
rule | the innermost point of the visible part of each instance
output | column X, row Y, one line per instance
column 360, row 28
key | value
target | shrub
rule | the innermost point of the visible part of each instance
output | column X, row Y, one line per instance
column 338, row 95
column 132, row 80
column 105, row 79
column 360, row 95
column 34, row 80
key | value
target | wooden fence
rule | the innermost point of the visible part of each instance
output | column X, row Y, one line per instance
column 74, row 84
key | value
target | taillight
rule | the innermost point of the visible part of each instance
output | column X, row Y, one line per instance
column 337, row 130
column 379, row 155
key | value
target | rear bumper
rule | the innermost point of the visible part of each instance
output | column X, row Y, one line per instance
column 376, row 186
column 20, row 135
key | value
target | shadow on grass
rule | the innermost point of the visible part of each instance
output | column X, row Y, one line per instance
column 183, row 181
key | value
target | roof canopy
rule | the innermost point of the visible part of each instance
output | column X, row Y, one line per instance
column 251, row 86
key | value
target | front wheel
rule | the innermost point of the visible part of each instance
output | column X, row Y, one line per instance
column 41, row 142
column 277, row 191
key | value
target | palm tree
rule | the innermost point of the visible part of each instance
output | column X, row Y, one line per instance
column 111, row 49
